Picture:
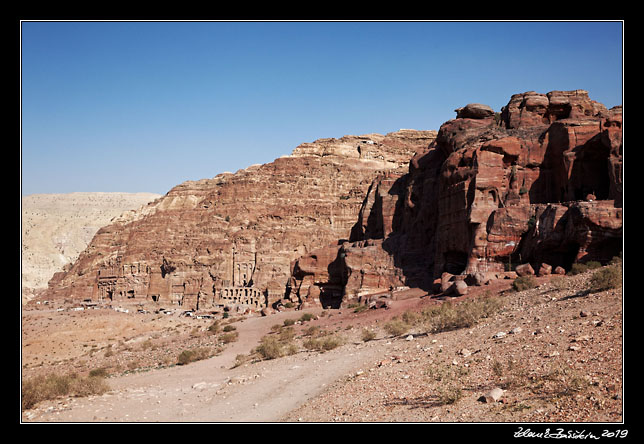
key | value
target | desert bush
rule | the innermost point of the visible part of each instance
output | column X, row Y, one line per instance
column 229, row 328
column 359, row 308
column 313, row 330
column 524, row 283
column 606, row 278
column 215, row 327
column 578, row 269
column 270, row 348
column 41, row 388
column 558, row 380
column 396, row 327
column 99, row 372
column 323, row 344
column 288, row 322
column 229, row 337
column 412, row 317
column 559, row 283
column 192, row 355
column 286, row 334
column 368, row 335
column 448, row 316
column 450, row 381
column 307, row 317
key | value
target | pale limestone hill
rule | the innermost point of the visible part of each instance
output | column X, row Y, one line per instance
column 55, row 228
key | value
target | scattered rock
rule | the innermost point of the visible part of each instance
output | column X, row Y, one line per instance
column 460, row 288
column 524, row 270
column 492, row 396
column 545, row 269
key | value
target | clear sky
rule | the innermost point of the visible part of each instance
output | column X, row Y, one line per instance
column 144, row 106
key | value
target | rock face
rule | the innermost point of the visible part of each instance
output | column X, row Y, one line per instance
column 538, row 183
column 231, row 240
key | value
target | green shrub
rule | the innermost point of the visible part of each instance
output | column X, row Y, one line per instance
column 307, row 317
column 360, row 308
column 578, row 268
column 288, row 322
column 592, row 265
column 229, row 328
column 524, row 283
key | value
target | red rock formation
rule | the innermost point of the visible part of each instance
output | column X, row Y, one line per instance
column 231, row 239
column 492, row 191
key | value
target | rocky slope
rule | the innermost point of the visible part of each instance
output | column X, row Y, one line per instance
column 57, row 227
column 539, row 183
column 237, row 232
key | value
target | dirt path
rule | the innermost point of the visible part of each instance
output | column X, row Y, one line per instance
column 556, row 350
column 211, row 390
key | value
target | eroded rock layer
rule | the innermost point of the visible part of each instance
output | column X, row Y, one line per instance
column 540, row 183
column 230, row 240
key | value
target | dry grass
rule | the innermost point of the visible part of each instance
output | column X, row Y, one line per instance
column 448, row 316
column 41, row 388
column 324, row 343
column 195, row 354
column 606, row 278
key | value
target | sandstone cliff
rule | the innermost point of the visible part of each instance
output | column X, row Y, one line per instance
column 230, row 240
column 540, row 183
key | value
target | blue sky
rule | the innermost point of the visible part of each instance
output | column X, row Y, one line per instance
column 144, row 106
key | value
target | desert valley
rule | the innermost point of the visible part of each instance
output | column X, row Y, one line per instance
column 470, row 273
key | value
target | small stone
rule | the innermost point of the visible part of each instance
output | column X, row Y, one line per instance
column 410, row 338
column 493, row 395
column 500, row 334
column 516, row 330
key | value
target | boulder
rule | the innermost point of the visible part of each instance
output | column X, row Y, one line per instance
column 474, row 111
column 545, row 269
column 460, row 288
column 524, row 270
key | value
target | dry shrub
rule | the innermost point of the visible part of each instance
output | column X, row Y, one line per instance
column 396, row 327
column 323, row 344
column 606, row 278
column 524, row 283
column 449, row 382
column 448, row 316
column 270, row 348
column 229, row 337
column 41, row 388
column 368, row 335
column 195, row 354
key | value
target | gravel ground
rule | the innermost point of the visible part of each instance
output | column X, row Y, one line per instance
column 555, row 351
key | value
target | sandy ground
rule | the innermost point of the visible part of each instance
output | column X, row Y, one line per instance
column 556, row 353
